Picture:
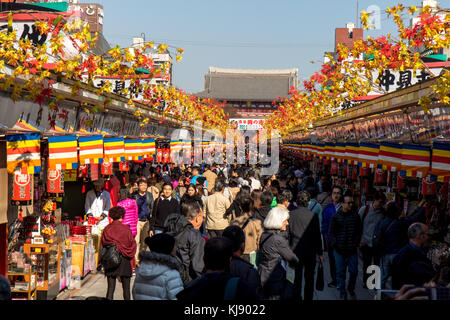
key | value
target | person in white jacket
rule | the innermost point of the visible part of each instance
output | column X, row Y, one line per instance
column 157, row 276
column 98, row 203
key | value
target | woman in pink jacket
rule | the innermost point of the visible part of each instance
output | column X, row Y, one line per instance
column 131, row 210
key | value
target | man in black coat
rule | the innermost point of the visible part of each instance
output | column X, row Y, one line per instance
column 240, row 267
column 217, row 284
column 164, row 206
column 189, row 241
column 345, row 237
column 411, row 265
column 306, row 242
column 266, row 201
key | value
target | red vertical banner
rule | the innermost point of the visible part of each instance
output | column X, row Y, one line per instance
column 334, row 168
column 124, row 166
column 22, row 188
column 95, row 173
column 364, row 172
column 107, row 169
column 159, row 156
column 83, row 171
column 166, row 155
column 428, row 187
column 380, row 176
column 55, row 181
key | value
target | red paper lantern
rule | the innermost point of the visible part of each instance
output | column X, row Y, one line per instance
column 364, row 172
column 428, row 187
column 124, row 166
column 107, row 169
column 159, row 156
column 22, row 188
column 334, row 168
column 380, row 176
column 166, row 155
column 401, row 182
column 55, row 181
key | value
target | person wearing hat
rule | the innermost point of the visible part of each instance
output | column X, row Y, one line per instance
column 98, row 203
column 157, row 277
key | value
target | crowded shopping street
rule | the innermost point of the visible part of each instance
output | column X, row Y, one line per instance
column 262, row 158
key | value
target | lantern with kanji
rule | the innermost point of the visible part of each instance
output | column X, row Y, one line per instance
column 429, row 187
column 166, row 155
column 55, row 181
column 380, row 177
column 22, row 188
column 159, row 156
column 334, row 168
column 107, row 169
column 124, row 166
column 401, row 182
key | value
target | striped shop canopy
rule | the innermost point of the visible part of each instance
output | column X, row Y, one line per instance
column 415, row 160
column 23, row 151
column 321, row 150
column 368, row 154
column 148, row 148
column 339, row 151
column 441, row 159
column 63, row 152
column 114, row 149
column 328, row 150
column 390, row 156
column 133, row 149
column 352, row 152
column 91, row 149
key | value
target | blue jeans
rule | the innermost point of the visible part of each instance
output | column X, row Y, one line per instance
column 342, row 263
column 386, row 264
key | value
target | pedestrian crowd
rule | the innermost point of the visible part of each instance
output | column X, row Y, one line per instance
column 225, row 232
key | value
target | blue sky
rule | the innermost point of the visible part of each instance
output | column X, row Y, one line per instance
column 247, row 34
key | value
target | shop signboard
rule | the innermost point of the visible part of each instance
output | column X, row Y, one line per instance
column 55, row 181
column 107, row 169
column 22, row 187
column 248, row 124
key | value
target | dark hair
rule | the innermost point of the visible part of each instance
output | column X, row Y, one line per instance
column 379, row 195
column 116, row 213
column 285, row 195
column 200, row 190
column 236, row 235
column 233, row 182
column 167, row 184
column 276, row 184
column 347, row 195
column 256, row 196
column 326, row 186
column 246, row 190
column 191, row 185
column 392, row 210
column 217, row 254
column 312, row 190
column 303, row 199
column 5, row 289
column 309, row 182
column 190, row 209
column 251, row 173
column 274, row 191
column 266, row 198
column 246, row 204
column 124, row 193
column 340, row 188
column 161, row 243
column 141, row 181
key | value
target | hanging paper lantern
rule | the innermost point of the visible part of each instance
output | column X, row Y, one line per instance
column 166, row 155
column 334, row 168
column 124, row 166
column 22, row 188
column 83, row 171
column 429, row 187
column 380, row 176
column 364, row 172
column 55, row 181
column 159, row 156
column 107, row 169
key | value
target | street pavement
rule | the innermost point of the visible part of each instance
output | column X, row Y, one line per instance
column 94, row 285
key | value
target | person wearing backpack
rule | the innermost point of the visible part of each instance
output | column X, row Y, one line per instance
column 189, row 241
column 119, row 235
column 252, row 227
column 370, row 216
column 217, row 284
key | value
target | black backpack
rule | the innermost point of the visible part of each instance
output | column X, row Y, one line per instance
column 110, row 257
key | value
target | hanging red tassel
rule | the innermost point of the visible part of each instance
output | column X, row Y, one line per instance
column 20, row 215
column 84, row 189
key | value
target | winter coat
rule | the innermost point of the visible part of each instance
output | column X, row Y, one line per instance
column 253, row 231
column 304, row 233
column 262, row 213
column 150, row 201
column 131, row 214
column 157, row 277
column 411, row 266
column 327, row 214
column 271, row 251
column 324, row 199
column 247, row 272
column 190, row 245
column 345, row 232
column 216, row 207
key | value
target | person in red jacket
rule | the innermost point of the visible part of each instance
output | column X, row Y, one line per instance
column 120, row 235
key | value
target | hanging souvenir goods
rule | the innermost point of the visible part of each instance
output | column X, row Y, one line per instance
column 24, row 151
column 166, row 155
column 429, row 186
column 364, row 172
column 55, row 181
column 159, row 156
column 334, row 168
column 83, row 171
column 343, row 170
column 22, row 188
column 114, row 149
column 124, row 166
column 380, row 177
column 107, row 169
column 70, row 175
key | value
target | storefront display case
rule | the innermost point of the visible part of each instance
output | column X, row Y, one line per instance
column 22, row 275
column 47, row 259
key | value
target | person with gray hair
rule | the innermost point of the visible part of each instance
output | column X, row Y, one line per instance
column 411, row 266
column 5, row 289
column 273, row 249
